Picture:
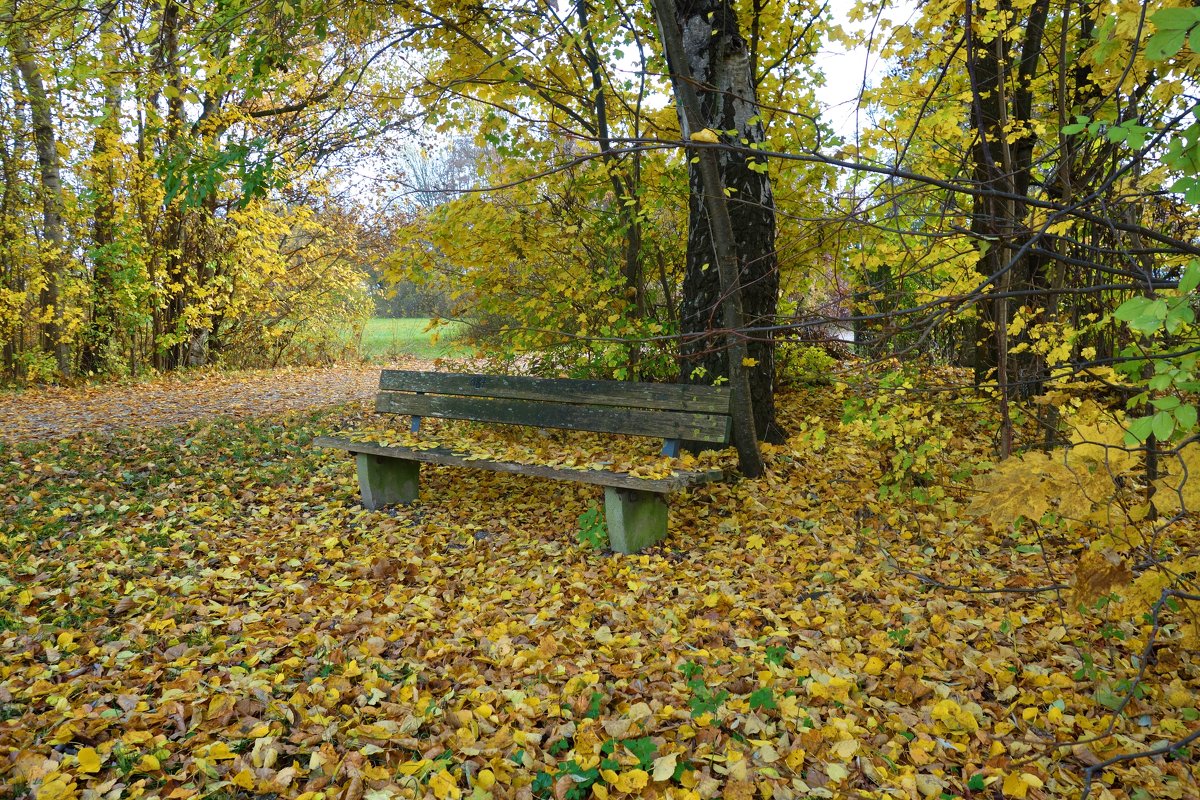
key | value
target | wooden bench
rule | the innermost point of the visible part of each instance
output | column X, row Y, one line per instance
column 635, row 507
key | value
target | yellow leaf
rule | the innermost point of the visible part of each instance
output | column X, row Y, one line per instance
column 59, row 787
column 664, row 767
column 149, row 763
column 219, row 752
column 1015, row 785
column 954, row 717
column 486, row 779
column 845, row 749
column 444, row 786
column 244, row 779
column 89, row 760
column 875, row 666
column 632, row 781
column 749, row 362
column 706, row 135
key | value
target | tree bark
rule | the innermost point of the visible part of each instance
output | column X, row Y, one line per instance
column 717, row 61
column 1002, row 161
column 102, row 326
column 721, row 238
column 174, row 228
column 50, row 175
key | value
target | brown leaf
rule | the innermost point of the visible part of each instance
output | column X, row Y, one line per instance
column 1097, row 574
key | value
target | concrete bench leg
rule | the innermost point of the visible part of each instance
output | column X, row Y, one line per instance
column 635, row 519
column 386, row 481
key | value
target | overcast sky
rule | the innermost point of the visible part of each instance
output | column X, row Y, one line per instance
column 845, row 71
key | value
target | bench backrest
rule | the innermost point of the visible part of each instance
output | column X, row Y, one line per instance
column 668, row 411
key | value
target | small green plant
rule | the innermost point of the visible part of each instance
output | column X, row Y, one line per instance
column 776, row 654
column 704, row 700
column 592, row 531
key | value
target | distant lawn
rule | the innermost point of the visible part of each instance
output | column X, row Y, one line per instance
column 387, row 338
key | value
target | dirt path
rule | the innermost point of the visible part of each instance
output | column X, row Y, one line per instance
column 53, row 412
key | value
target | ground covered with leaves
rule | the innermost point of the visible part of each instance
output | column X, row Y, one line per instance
column 205, row 610
column 181, row 398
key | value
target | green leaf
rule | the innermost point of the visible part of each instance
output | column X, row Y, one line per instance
column 1191, row 277
column 1131, row 308
column 1178, row 315
column 1165, row 44
column 643, row 749
column 1185, row 417
column 1175, row 19
column 762, row 698
column 1107, row 698
column 1162, row 426
column 1165, row 403
column 1138, row 430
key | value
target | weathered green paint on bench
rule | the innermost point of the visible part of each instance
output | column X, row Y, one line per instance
column 599, row 419
column 385, row 481
column 596, row 477
column 662, row 396
column 635, row 508
column 635, row 519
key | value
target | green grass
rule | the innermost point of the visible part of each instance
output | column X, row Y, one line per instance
column 387, row 338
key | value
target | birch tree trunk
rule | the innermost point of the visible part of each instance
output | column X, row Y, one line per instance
column 711, row 195
column 50, row 176
column 718, row 58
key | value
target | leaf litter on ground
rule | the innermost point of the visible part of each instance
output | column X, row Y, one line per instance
column 206, row 610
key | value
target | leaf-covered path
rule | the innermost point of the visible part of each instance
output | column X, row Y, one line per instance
column 211, row 613
column 47, row 413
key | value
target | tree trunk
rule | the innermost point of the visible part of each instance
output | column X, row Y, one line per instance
column 50, row 174
column 718, row 61
column 1002, row 161
column 624, row 183
column 102, row 326
column 174, row 229
column 722, row 245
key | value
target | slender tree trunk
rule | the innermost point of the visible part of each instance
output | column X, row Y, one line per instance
column 10, row 277
column 625, row 186
column 715, row 57
column 102, row 326
column 173, row 354
column 721, row 243
column 50, row 175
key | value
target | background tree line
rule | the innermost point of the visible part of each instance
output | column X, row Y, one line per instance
column 227, row 182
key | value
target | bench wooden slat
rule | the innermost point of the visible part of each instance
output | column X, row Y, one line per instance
column 617, row 480
column 634, row 422
column 664, row 396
